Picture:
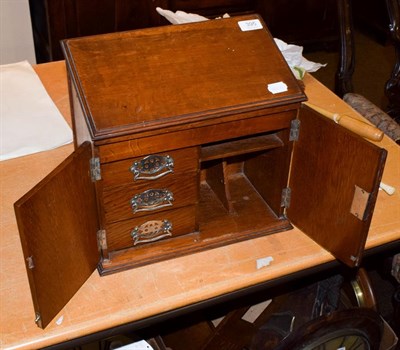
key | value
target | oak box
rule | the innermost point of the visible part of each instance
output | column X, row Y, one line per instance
column 181, row 145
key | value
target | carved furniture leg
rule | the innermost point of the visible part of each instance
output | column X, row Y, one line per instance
column 392, row 87
column 343, row 83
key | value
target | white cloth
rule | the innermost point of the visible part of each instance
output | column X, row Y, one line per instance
column 29, row 120
column 293, row 55
column 180, row 17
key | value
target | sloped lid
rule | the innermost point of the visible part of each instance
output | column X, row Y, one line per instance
column 156, row 77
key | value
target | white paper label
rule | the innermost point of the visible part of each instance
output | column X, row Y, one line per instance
column 60, row 320
column 217, row 321
column 278, row 87
column 140, row 345
column 252, row 24
column 255, row 311
column 263, row 262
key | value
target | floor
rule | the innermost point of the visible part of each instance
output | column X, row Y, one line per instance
column 374, row 61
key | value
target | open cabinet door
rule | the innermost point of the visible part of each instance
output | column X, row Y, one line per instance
column 334, row 182
column 58, row 222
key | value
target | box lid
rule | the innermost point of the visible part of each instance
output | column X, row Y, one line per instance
column 156, row 77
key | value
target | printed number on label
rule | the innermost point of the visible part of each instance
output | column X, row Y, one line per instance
column 253, row 24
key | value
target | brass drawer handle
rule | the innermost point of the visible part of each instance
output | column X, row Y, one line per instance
column 152, row 167
column 152, row 199
column 151, row 231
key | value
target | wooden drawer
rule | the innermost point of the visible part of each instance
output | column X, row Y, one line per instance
column 119, row 173
column 117, row 202
column 183, row 221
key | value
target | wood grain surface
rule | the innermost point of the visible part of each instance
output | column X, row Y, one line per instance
column 104, row 302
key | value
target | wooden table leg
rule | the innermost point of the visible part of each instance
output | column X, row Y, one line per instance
column 392, row 87
column 343, row 83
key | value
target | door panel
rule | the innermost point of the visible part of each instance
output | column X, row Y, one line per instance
column 334, row 173
column 58, row 224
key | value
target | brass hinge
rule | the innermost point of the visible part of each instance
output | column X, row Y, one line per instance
column 101, row 240
column 95, row 172
column 294, row 130
column 38, row 319
column 285, row 198
column 30, row 261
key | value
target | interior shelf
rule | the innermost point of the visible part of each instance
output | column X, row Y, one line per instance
column 241, row 146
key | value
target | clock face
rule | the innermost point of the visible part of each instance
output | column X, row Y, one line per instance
column 350, row 329
column 347, row 339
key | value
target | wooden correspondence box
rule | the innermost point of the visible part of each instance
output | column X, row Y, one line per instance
column 181, row 147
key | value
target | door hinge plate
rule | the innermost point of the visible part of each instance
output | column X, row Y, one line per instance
column 31, row 263
column 95, row 168
column 294, row 130
column 285, row 199
column 38, row 319
column 102, row 245
column 101, row 240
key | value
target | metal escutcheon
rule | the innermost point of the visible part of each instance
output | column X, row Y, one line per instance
column 152, row 199
column 151, row 231
column 152, row 167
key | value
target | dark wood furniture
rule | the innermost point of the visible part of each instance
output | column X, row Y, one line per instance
column 312, row 24
column 308, row 23
column 293, row 21
column 380, row 20
column 346, row 64
column 393, row 84
column 372, row 18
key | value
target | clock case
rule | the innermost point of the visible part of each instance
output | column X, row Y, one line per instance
column 247, row 162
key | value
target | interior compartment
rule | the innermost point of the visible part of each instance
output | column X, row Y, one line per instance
column 245, row 176
column 240, row 179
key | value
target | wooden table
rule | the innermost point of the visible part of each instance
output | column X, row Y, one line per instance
column 134, row 295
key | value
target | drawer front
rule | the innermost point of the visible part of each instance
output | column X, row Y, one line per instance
column 131, row 201
column 151, row 228
column 150, row 168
